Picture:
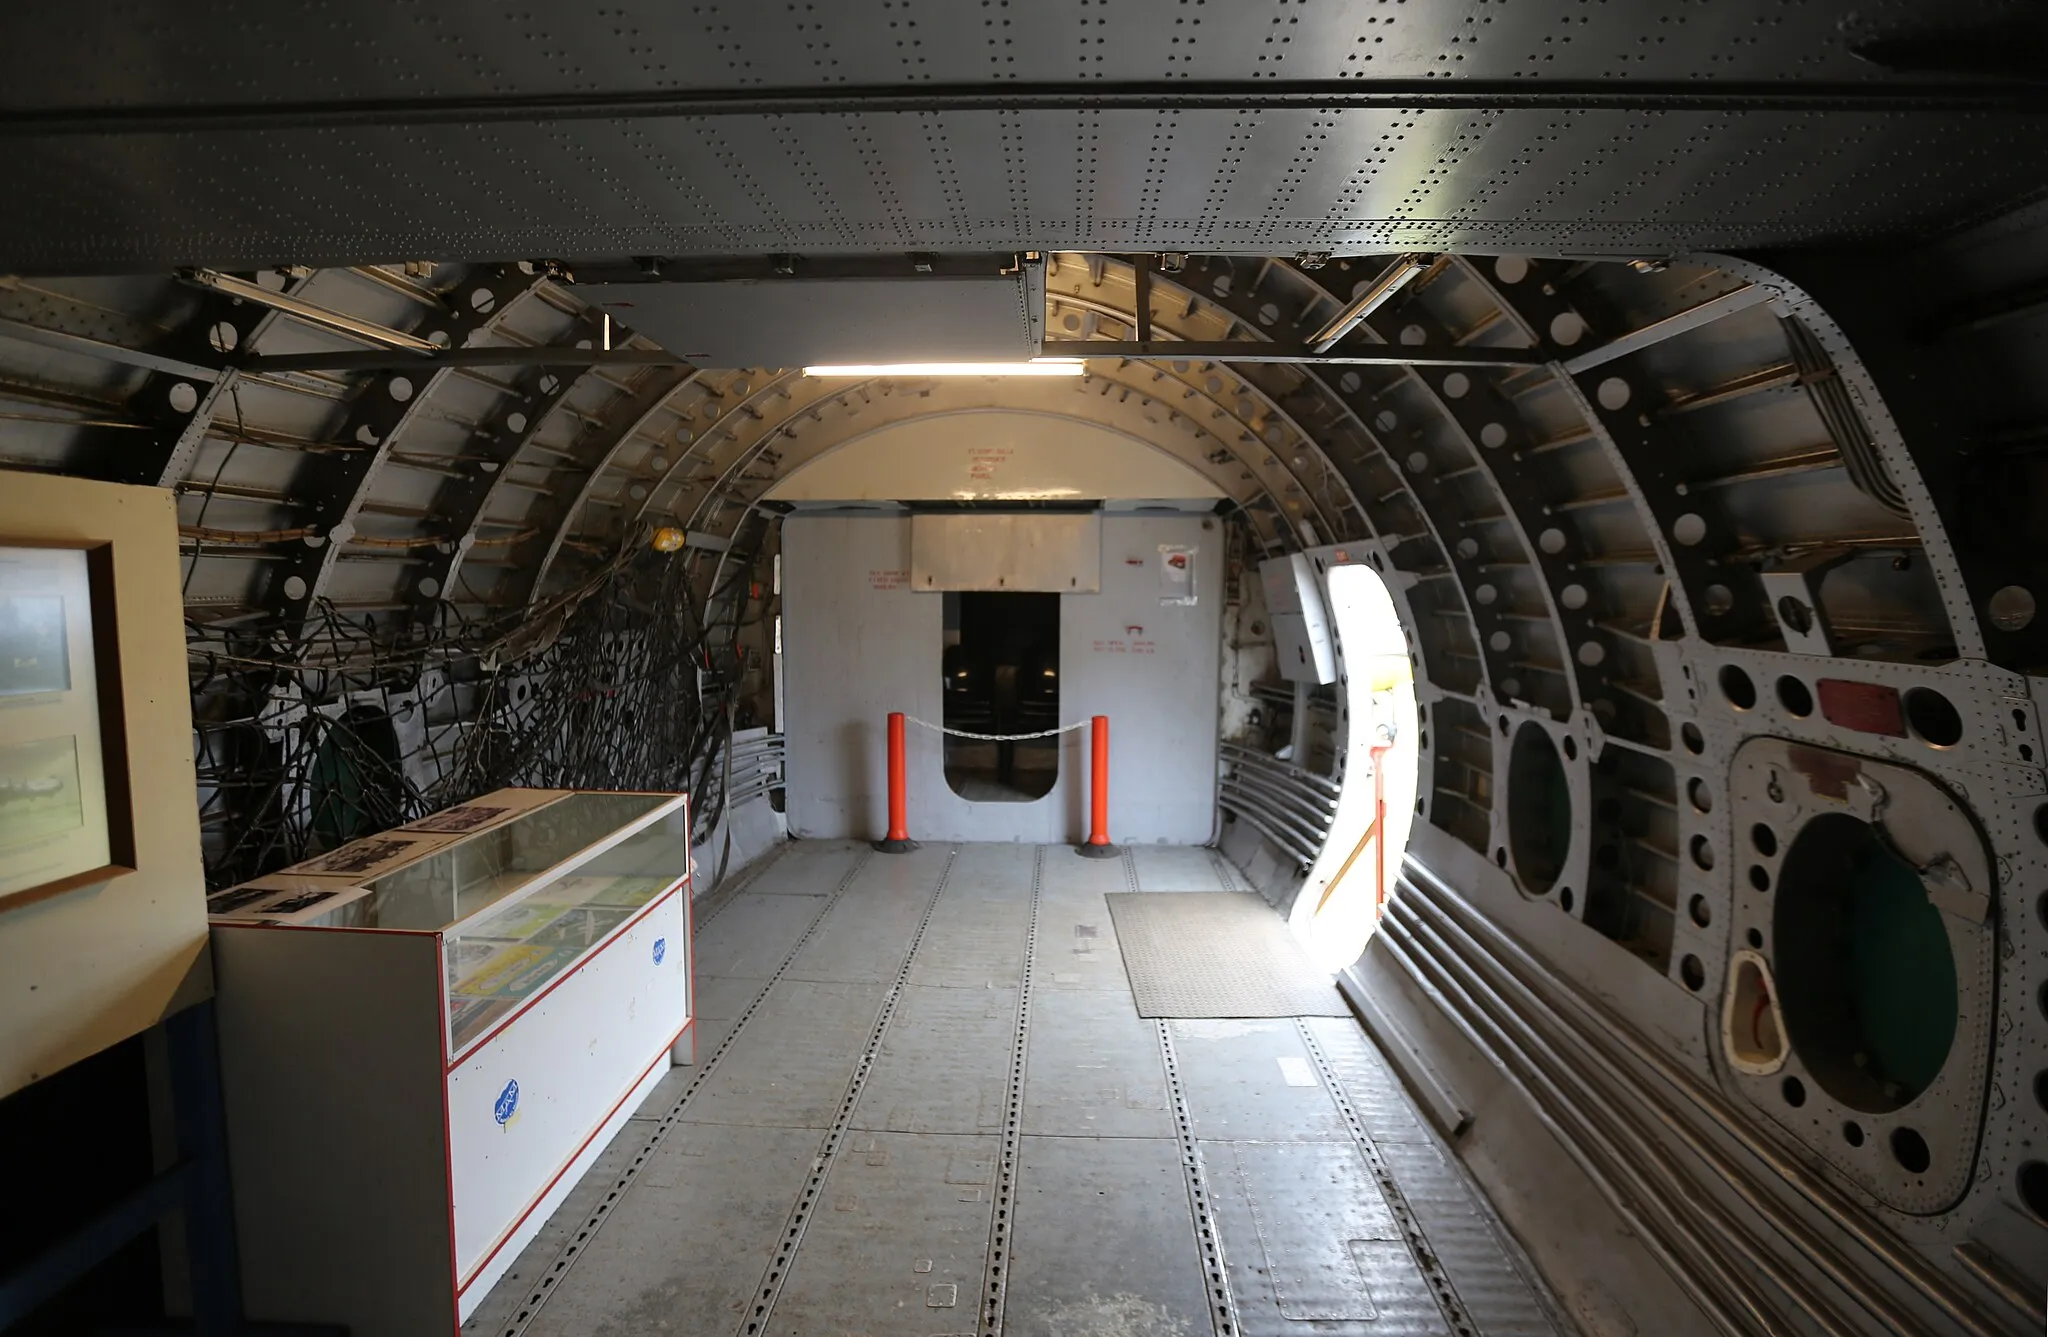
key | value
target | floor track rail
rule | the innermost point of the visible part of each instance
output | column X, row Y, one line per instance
column 996, row 1277
column 1208, row 1236
column 772, row 1281
column 523, row 1317
column 1455, row 1314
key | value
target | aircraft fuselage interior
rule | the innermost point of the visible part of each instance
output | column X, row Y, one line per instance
column 1097, row 668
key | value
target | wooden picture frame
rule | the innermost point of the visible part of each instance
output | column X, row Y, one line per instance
column 63, row 729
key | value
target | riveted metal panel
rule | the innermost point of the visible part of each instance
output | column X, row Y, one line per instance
column 259, row 133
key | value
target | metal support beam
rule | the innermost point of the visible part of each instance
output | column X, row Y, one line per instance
column 22, row 332
column 769, row 269
column 1141, row 276
column 336, row 483
column 508, row 355
column 1686, row 321
column 1391, row 280
column 559, row 519
column 462, row 502
column 1242, row 96
column 170, row 460
column 1235, row 350
column 336, row 322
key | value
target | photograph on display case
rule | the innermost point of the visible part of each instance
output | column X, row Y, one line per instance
column 285, row 899
column 63, row 793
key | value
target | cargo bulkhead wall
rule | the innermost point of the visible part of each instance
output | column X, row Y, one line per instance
column 860, row 642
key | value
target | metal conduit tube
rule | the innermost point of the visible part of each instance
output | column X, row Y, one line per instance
column 1537, row 1051
column 1823, row 1254
column 1284, row 842
column 1725, row 1293
column 1646, row 1164
column 337, row 322
column 1264, row 762
column 1267, row 761
column 1301, row 829
column 1297, row 835
column 1281, row 764
column 1311, row 817
column 1278, row 785
column 1604, row 1025
column 1636, row 1208
column 1281, row 783
column 1983, row 1265
column 1281, row 779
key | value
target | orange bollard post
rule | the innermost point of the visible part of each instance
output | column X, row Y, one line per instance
column 898, row 840
column 1098, row 846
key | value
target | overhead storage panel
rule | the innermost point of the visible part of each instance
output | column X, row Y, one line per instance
column 1057, row 554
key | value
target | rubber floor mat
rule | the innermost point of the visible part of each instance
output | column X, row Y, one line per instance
column 1216, row 954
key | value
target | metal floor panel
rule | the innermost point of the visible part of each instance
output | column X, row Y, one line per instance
column 898, row 1245
column 944, row 1063
column 721, row 1209
column 788, row 1067
column 974, row 943
column 1311, row 1240
column 1254, row 1079
column 1375, row 1091
column 754, row 933
column 808, row 868
column 992, row 871
column 1104, row 1242
column 1177, row 868
column 683, row 1248
column 1491, row 1281
column 865, row 936
column 719, row 1002
column 1217, row 954
column 1067, row 872
column 725, row 996
column 1093, row 1069
column 1077, row 947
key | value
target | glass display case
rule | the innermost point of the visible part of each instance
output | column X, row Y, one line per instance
column 444, row 1022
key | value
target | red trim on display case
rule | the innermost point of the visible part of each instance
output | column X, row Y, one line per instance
column 462, row 1283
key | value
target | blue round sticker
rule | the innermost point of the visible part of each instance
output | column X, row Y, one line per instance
column 660, row 949
column 508, row 1101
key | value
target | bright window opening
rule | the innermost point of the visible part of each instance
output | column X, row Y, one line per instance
column 1339, row 905
column 1002, row 669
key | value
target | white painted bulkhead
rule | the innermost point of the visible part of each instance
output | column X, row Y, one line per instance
column 859, row 642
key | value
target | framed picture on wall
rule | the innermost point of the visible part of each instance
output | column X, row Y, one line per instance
column 64, row 818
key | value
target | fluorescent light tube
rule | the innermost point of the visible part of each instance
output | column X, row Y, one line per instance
column 1036, row 367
